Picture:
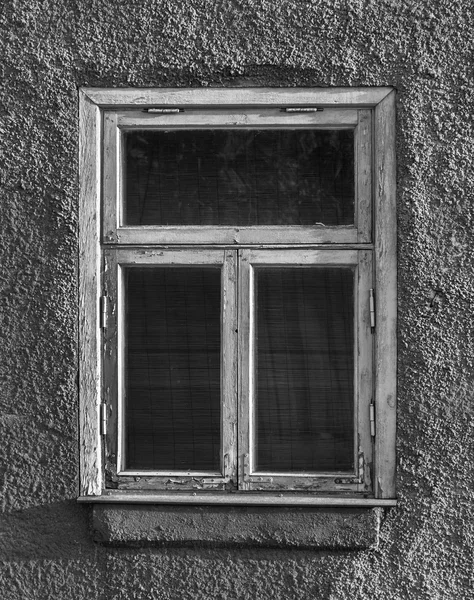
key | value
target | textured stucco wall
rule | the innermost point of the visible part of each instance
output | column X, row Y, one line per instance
column 48, row 48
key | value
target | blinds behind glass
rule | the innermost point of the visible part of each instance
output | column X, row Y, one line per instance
column 239, row 177
column 173, row 331
column 305, row 369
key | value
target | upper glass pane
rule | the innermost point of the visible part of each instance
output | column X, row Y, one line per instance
column 239, row 177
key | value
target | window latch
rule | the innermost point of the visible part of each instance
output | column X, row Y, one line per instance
column 163, row 111
column 302, row 109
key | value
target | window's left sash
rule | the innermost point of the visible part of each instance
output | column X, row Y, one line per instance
column 117, row 474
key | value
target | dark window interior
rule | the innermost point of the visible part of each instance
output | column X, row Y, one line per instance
column 239, row 177
column 305, row 369
column 173, row 341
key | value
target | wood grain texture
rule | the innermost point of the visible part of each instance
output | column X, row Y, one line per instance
column 180, row 235
column 89, row 269
column 229, row 367
column 245, row 499
column 111, row 177
column 307, row 257
column 198, row 97
column 385, row 300
column 363, row 169
column 257, row 118
column 112, row 380
column 364, row 371
column 154, row 256
column 245, row 361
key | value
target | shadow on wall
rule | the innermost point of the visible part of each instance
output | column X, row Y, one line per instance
column 55, row 531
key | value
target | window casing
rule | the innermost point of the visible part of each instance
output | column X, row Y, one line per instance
column 117, row 240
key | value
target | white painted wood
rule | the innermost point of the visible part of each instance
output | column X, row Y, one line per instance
column 244, row 118
column 385, row 297
column 364, row 371
column 112, row 380
column 111, row 175
column 245, row 499
column 363, row 97
column 156, row 256
column 319, row 234
column 229, row 367
column 363, row 172
column 89, row 292
column 308, row 257
column 245, row 360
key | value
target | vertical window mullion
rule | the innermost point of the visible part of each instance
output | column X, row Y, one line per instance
column 245, row 368
column 112, row 177
column 229, row 368
column 111, row 363
column 363, row 370
column 363, row 176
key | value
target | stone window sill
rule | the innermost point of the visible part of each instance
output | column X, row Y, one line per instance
column 352, row 526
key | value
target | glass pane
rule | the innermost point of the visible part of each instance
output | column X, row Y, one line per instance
column 239, row 177
column 305, row 369
column 173, row 368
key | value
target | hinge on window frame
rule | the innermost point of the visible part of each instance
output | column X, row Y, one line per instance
column 103, row 312
column 372, row 418
column 103, row 418
column 372, row 310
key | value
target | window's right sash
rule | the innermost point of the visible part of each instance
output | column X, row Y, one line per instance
column 359, row 478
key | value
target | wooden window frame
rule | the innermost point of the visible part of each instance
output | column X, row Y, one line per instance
column 103, row 113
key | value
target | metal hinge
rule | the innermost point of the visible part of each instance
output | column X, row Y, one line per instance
column 372, row 310
column 301, row 109
column 163, row 111
column 372, row 418
column 103, row 418
column 103, row 312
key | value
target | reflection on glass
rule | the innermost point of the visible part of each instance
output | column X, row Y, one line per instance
column 239, row 177
column 172, row 368
column 305, row 369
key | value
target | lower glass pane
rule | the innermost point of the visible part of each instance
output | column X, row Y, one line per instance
column 305, row 369
column 172, row 382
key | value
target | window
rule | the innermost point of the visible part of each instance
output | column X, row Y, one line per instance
column 238, row 295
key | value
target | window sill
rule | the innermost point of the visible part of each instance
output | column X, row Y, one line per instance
column 297, row 522
column 233, row 499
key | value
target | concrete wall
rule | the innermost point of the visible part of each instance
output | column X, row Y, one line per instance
column 49, row 48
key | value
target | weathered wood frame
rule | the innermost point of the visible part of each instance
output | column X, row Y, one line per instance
column 380, row 103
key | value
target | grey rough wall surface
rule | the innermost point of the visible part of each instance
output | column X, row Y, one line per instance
column 48, row 48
